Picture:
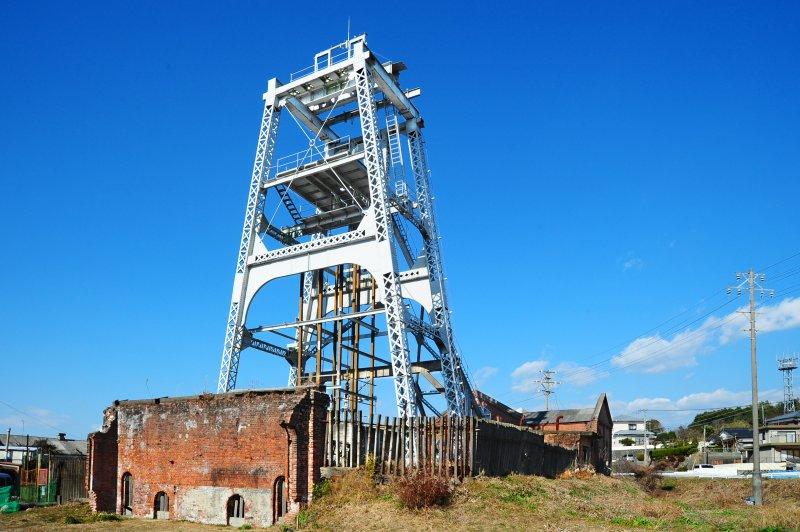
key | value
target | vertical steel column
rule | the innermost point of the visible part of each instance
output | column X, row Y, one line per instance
column 229, row 366
column 388, row 279
column 320, row 312
column 337, row 339
column 452, row 373
column 373, row 289
column 300, row 333
column 355, row 335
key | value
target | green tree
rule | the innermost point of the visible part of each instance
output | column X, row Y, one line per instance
column 627, row 442
column 654, row 426
column 666, row 437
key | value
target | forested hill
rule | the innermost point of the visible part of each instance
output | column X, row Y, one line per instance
column 738, row 416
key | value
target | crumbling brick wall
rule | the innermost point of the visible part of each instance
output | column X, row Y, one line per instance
column 202, row 450
column 101, row 465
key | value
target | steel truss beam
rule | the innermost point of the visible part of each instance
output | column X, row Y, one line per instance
column 388, row 280
column 229, row 367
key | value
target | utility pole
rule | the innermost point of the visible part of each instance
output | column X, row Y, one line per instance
column 547, row 383
column 750, row 280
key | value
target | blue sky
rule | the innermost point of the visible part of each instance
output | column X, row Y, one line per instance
column 598, row 169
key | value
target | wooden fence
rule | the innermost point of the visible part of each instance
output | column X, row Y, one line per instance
column 447, row 446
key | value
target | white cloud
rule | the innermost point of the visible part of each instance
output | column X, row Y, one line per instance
column 682, row 410
column 655, row 354
column 483, row 374
column 632, row 262
column 525, row 376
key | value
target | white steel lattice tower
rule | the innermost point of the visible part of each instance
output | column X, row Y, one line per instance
column 786, row 366
column 339, row 215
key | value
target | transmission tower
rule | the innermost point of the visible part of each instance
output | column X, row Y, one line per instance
column 546, row 386
column 340, row 213
column 786, row 366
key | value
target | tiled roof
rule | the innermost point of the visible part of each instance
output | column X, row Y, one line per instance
column 739, row 434
column 783, row 418
column 62, row 446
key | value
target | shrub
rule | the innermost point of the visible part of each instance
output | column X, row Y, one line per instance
column 668, row 485
column 627, row 442
column 105, row 516
column 370, row 466
column 422, row 491
column 640, row 457
column 305, row 518
column 678, row 450
column 322, row 488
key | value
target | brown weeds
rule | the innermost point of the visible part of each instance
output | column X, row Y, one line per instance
column 423, row 491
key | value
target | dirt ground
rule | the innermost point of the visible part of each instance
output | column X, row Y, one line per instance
column 514, row 503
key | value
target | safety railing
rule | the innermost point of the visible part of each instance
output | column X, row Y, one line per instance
column 318, row 152
column 336, row 54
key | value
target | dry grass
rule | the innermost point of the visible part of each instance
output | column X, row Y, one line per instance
column 77, row 517
column 597, row 503
column 355, row 502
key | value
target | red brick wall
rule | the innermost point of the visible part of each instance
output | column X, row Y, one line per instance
column 201, row 450
column 101, row 468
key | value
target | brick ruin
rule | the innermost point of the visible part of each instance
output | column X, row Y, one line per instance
column 240, row 457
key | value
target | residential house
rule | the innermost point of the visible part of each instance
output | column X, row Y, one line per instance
column 739, row 440
column 588, row 430
column 44, row 469
column 789, row 418
column 780, row 443
column 13, row 448
column 627, row 430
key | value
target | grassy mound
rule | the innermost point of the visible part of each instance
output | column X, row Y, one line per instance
column 519, row 502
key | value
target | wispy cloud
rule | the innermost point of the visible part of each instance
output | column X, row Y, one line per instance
column 524, row 377
column 656, row 354
column 482, row 375
column 631, row 261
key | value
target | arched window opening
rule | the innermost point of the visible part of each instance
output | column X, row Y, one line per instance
column 279, row 499
column 127, row 494
column 161, row 506
column 236, row 510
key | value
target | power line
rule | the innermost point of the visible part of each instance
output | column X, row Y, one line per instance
column 790, row 257
column 43, row 422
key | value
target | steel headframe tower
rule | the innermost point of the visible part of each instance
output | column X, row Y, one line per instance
column 350, row 209
column 786, row 366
